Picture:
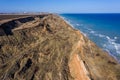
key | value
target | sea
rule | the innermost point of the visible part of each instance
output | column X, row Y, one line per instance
column 103, row 29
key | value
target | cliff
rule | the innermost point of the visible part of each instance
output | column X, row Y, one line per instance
column 45, row 47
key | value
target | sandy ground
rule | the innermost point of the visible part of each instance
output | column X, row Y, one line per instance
column 77, row 68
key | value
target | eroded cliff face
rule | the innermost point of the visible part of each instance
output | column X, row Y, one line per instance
column 45, row 47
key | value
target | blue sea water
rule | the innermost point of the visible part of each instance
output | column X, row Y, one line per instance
column 103, row 29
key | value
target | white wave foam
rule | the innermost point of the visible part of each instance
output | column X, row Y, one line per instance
column 117, row 47
column 115, row 37
column 109, row 39
column 95, row 33
column 100, row 35
column 78, row 24
column 92, row 32
column 112, row 44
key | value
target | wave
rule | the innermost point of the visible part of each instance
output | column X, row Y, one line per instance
column 109, row 45
column 92, row 32
column 114, row 44
column 77, row 24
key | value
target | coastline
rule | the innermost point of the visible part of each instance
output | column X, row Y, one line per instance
column 54, row 42
column 71, row 25
column 106, row 50
column 113, row 60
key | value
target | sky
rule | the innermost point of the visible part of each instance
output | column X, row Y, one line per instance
column 61, row 6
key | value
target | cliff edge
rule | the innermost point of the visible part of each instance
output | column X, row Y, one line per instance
column 45, row 47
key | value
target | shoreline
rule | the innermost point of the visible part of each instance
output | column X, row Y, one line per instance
column 106, row 50
column 71, row 25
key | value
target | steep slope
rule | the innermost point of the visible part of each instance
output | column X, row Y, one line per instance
column 45, row 47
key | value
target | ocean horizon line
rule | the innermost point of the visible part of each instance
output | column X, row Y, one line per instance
column 61, row 12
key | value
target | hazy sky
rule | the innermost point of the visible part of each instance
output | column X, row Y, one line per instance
column 61, row 6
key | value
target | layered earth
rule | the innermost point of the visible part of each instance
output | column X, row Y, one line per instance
column 45, row 47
